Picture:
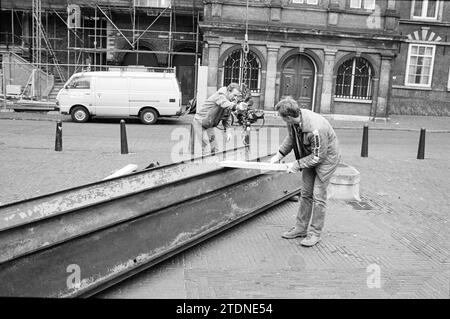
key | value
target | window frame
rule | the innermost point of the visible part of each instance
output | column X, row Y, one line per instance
column 408, row 61
column 363, row 5
column 425, row 10
column 79, row 79
column 370, row 84
column 306, row 2
column 259, row 69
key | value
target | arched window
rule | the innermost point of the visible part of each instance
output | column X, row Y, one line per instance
column 354, row 80
column 234, row 70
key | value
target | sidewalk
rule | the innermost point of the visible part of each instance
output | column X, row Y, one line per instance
column 433, row 124
column 436, row 124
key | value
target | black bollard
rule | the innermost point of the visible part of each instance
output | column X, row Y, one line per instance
column 58, row 139
column 365, row 142
column 123, row 138
column 421, row 149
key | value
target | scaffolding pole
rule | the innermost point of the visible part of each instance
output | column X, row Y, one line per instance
column 169, row 59
column 196, row 65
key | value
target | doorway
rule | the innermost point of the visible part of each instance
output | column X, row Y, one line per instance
column 140, row 58
column 185, row 71
column 297, row 80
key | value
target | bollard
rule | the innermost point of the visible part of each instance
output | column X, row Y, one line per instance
column 123, row 138
column 58, row 139
column 365, row 141
column 421, row 149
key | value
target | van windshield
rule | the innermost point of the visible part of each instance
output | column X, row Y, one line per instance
column 81, row 82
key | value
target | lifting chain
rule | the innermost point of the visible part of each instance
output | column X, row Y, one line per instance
column 246, row 50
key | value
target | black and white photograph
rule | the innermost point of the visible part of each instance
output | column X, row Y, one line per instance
column 224, row 155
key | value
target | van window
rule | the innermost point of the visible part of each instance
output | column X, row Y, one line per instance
column 151, row 84
column 112, row 83
column 80, row 83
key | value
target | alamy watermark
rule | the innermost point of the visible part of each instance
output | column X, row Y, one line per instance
column 263, row 142
column 373, row 276
column 74, row 279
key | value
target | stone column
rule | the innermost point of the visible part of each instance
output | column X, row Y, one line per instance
column 391, row 17
column 383, row 89
column 373, row 108
column 271, row 74
column 213, row 64
column 327, row 86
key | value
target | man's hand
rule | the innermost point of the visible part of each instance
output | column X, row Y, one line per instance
column 293, row 167
column 229, row 136
column 276, row 158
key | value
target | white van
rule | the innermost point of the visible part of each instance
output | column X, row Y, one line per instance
column 147, row 94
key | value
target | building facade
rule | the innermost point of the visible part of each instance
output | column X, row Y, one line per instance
column 421, row 71
column 356, row 57
column 332, row 56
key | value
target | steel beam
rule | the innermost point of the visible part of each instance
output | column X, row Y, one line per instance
column 109, row 255
column 42, row 207
column 28, row 238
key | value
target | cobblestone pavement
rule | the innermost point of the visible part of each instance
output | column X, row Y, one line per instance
column 91, row 152
column 401, row 225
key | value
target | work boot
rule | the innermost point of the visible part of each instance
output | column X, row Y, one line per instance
column 310, row 240
column 293, row 233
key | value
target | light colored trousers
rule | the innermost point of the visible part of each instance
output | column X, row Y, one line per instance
column 313, row 202
column 202, row 138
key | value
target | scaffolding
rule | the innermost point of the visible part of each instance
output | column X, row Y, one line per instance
column 104, row 34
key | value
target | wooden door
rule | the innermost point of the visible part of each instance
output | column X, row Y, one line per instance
column 186, row 78
column 297, row 80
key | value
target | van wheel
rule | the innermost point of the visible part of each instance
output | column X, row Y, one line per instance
column 79, row 114
column 148, row 116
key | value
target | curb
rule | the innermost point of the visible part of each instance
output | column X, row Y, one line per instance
column 64, row 118
column 371, row 128
column 50, row 119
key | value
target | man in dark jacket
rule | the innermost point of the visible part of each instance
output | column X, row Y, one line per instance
column 213, row 110
column 317, row 155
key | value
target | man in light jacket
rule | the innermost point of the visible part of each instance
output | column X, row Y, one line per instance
column 317, row 155
column 216, row 108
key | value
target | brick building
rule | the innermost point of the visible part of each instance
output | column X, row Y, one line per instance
column 421, row 71
column 355, row 57
column 332, row 56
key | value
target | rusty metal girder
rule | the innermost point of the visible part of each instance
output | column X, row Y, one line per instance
column 113, row 229
column 113, row 253
column 27, row 238
column 42, row 207
column 40, row 222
